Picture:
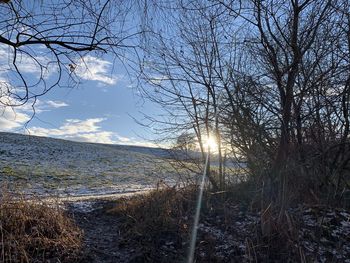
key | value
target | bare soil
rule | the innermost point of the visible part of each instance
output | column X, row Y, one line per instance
column 102, row 238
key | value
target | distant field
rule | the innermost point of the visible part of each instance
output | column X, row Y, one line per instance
column 43, row 166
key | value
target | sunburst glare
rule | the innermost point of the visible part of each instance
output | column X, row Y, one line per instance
column 211, row 142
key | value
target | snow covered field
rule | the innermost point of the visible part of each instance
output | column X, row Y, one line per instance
column 47, row 166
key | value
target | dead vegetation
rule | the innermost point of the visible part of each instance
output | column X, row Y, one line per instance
column 159, row 225
column 156, row 221
column 36, row 232
column 232, row 228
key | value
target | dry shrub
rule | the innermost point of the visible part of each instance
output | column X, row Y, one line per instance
column 157, row 219
column 34, row 232
column 163, row 209
column 277, row 239
column 160, row 222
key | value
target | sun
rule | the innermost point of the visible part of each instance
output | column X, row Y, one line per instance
column 211, row 143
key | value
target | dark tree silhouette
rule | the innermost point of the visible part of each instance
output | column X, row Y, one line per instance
column 270, row 78
column 49, row 38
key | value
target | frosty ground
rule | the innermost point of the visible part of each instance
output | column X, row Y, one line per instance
column 97, row 185
column 46, row 166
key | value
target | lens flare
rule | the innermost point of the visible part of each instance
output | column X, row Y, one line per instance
column 197, row 214
column 211, row 143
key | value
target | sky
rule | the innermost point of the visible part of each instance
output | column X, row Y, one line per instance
column 101, row 109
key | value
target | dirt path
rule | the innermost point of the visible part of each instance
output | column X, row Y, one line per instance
column 102, row 241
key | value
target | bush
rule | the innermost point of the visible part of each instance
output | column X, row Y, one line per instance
column 159, row 223
column 31, row 231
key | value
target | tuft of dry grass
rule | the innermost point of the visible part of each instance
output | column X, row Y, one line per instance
column 156, row 220
column 160, row 223
column 232, row 228
column 31, row 231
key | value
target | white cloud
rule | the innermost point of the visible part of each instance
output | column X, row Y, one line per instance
column 96, row 137
column 4, row 59
column 10, row 119
column 135, row 142
column 124, row 139
column 88, row 130
column 72, row 127
column 93, row 68
column 36, row 65
column 41, row 65
column 54, row 104
column 157, row 80
column 57, row 104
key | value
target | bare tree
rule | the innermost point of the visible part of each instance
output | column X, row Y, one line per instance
column 296, row 83
column 51, row 38
column 189, row 77
column 269, row 78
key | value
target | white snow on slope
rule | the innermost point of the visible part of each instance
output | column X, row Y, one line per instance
column 46, row 166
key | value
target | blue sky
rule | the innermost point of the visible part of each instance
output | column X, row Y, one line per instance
column 102, row 107
column 99, row 109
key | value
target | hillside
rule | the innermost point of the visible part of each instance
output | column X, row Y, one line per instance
column 53, row 166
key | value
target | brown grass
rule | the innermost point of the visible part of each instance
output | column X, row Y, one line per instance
column 34, row 232
column 158, row 218
column 160, row 223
